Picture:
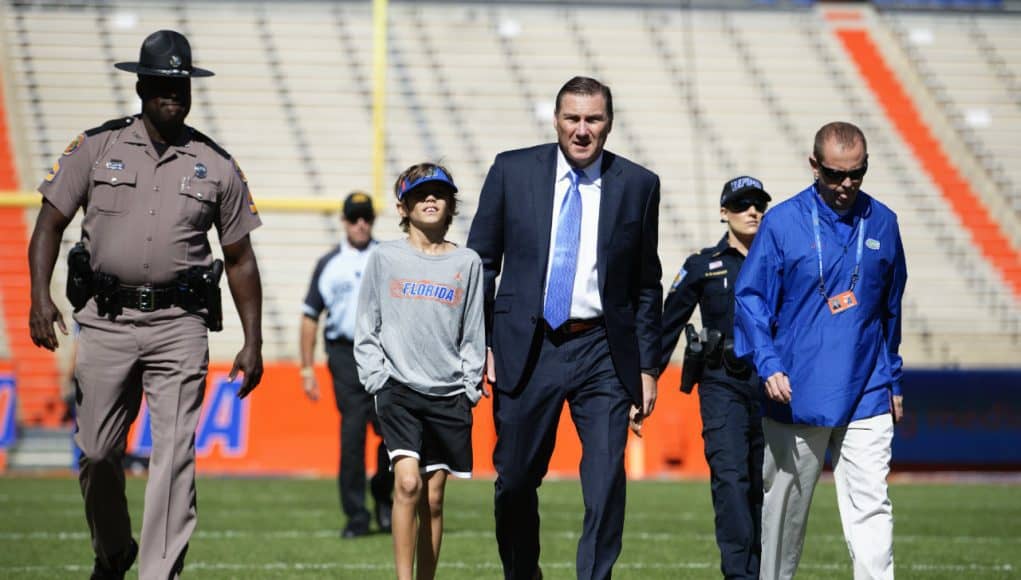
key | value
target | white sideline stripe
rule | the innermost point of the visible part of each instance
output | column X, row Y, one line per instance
column 569, row 535
column 302, row 566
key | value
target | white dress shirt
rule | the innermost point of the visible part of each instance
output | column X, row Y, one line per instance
column 585, row 301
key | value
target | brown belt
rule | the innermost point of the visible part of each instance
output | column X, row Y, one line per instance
column 575, row 326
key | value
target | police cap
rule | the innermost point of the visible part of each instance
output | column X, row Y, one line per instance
column 742, row 187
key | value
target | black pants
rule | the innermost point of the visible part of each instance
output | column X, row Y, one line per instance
column 356, row 412
column 732, row 431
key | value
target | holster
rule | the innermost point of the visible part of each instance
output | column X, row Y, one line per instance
column 702, row 349
column 198, row 288
column 104, row 288
column 79, row 276
column 723, row 356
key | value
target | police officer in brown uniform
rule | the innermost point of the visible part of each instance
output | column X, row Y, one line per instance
column 151, row 187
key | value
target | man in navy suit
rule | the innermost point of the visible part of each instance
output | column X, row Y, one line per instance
column 573, row 230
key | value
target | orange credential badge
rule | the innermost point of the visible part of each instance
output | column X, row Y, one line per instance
column 841, row 302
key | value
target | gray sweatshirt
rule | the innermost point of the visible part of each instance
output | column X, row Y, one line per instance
column 420, row 321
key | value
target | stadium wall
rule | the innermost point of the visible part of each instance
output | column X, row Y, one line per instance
column 278, row 432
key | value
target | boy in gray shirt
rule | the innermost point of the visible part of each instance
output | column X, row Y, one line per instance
column 420, row 349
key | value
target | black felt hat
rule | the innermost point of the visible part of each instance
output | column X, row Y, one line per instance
column 165, row 53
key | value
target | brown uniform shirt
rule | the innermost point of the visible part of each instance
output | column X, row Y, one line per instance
column 146, row 216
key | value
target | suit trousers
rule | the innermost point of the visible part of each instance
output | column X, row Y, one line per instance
column 861, row 461
column 357, row 411
column 577, row 370
column 732, row 432
column 165, row 355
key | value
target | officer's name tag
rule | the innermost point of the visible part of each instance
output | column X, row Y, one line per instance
column 841, row 302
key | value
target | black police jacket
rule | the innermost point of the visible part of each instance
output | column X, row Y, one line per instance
column 707, row 280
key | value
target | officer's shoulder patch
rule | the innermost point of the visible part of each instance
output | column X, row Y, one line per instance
column 248, row 190
column 111, row 125
column 74, row 144
column 678, row 279
column 200, row 136
column 237, row 168
column 52, row 173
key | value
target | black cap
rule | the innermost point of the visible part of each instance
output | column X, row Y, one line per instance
column 741, row 187
column 358, row 205
column 165, row 53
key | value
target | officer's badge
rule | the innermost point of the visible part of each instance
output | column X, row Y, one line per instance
column 75, row 144
column 201, row 171
column 115, row 165
column 715, row 264
column 175, row 61
column 52, row 173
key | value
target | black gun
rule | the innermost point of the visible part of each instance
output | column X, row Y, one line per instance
column 104, row 288
column 694, row 360
column 79, row 276
column 211, row 290
column 198, row 288
column 702, row 348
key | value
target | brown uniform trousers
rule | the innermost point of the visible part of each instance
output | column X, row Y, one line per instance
column 164, row 354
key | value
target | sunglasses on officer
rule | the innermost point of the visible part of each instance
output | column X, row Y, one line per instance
column 838, row 176
column 742, row 205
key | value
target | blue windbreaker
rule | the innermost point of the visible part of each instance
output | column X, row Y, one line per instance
column 842, row 367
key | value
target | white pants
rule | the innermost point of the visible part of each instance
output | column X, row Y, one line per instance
column 861, row 461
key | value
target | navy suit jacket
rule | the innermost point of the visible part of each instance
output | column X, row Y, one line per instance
column 512, row 231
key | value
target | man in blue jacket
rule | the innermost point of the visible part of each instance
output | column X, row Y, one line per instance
column 818, row 305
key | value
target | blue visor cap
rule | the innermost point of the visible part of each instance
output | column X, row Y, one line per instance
column 437, row 174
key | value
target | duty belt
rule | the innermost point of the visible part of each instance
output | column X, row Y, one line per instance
column 146, row 298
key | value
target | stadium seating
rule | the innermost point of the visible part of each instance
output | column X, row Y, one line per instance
column 701, row 96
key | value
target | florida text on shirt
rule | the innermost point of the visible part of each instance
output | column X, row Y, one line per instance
column 426, row 290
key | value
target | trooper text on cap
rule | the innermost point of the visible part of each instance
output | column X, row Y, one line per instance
column 741, row 187
column 165, row 53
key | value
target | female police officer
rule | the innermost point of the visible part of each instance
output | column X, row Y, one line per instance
column 729, row 388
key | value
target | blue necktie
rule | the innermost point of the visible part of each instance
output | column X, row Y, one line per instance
column 565, row 257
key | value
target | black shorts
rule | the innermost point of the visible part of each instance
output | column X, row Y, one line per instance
column 437, row 431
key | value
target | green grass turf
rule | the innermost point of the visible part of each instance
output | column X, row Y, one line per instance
column 285, row 528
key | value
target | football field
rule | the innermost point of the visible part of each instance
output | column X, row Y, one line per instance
column 289, row 528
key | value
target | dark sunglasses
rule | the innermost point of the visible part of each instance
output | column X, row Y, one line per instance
column 836, row 176
column 742, row 205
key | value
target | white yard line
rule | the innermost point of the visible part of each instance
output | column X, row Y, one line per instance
column 459, row 533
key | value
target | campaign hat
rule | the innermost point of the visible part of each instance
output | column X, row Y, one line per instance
column 165, row 53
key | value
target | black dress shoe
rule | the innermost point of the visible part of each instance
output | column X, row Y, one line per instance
column 384, row 516
column 354, row 532
column 121, row 564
